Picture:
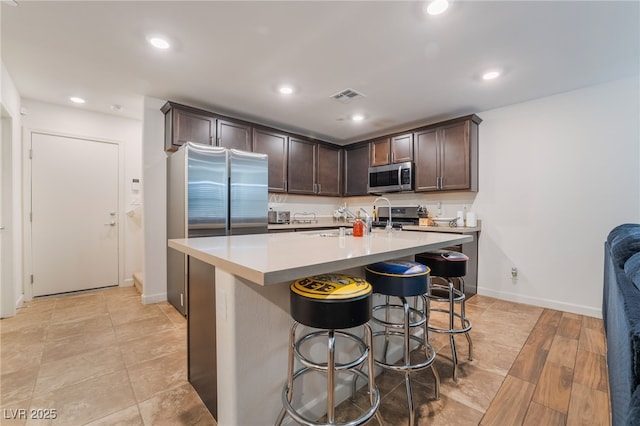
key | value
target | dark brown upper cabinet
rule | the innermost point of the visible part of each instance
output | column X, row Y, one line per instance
column 380, row 152
column 234, row 135
column 329, row 171
column 275, row 146
column 314, row 168
column 184, row 124
column 302, row 166
column 356, row 170
column 446, row 156
column 393, row 149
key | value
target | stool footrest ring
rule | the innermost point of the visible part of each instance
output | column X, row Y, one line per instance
column 443, row 296
column 364, row 351
column 420, row 321
column 304, row 421
column 403, row 367
column 465, row 329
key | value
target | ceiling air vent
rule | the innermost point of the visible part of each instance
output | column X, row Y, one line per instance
column 347, row 96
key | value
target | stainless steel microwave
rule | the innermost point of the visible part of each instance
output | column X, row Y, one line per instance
column 391, row 178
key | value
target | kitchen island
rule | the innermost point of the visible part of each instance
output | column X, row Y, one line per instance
column 239, row 308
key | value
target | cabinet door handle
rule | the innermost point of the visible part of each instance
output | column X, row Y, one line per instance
column 319, row 188
column 393, row 157
column 286, row 185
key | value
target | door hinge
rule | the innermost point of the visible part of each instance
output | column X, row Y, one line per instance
column 31, row 279
column 31, row 154
column 30, row 216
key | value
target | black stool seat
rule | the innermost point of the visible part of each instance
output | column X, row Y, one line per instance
column 398, row 278
column 331, row 301
column 445, row 263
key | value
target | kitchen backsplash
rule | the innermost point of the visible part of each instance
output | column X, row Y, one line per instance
column 439, row 205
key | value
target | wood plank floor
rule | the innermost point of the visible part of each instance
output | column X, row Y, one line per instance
column 531, row 366
column 559, row 377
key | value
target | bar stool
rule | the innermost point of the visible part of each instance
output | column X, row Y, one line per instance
column 446, row 267
column 403, row 279
column 330, row 303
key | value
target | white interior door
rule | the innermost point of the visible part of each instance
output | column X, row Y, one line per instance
column 3, row 193
column 74, row 204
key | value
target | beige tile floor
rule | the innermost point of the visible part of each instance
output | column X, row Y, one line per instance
column 103, row 358
column 98, row 358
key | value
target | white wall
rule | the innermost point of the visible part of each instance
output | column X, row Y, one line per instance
column 154, row 203
column 11, row 292
column 78, row 122
column 556, row 175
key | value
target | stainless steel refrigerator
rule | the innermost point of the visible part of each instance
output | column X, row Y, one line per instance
column 211, row 191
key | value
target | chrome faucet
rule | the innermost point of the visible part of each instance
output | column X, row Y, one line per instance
column 389, row 226
column 368, row 223
column 345, row 211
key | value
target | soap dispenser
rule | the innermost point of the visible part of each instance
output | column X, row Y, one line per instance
column 358, row 226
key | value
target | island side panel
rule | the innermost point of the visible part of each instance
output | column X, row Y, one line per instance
column 201, row 333
column 252, row 323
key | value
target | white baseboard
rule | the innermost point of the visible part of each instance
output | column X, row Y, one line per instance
column 544, row 303
column 20, row 301
column 128, row 282
column 148, row 299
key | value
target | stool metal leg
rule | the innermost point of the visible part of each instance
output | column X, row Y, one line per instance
column 407, row 360
column 463, row 317
column 331, row 368
column 368, row 333
column 436, row 376
column 290, row 362
column 387, row 318
column 454, row 354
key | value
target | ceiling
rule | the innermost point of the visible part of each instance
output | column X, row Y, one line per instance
column 230, row 57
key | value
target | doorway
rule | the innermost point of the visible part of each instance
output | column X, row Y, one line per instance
column 74, row 214
column 7, row 292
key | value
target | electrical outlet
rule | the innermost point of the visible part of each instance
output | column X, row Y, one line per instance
column 514, row 272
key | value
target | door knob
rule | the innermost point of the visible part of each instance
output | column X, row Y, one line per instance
column 112, row 223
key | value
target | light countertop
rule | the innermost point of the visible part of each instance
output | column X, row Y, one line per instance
column 279, row 257
column 454, row 229
column 321, row 222
column 330, row 223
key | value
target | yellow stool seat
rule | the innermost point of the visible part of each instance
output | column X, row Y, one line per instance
column 331, row 301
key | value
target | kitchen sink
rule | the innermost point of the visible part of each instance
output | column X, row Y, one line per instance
column 335, row 233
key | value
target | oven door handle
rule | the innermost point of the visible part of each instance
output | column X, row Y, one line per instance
column 400, row 178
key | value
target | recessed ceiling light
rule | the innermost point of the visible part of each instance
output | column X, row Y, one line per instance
column 285, row 90
column 77, row 100
column 436, row 7
column 357, row 117
column 159, row 42
column 490, row 75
